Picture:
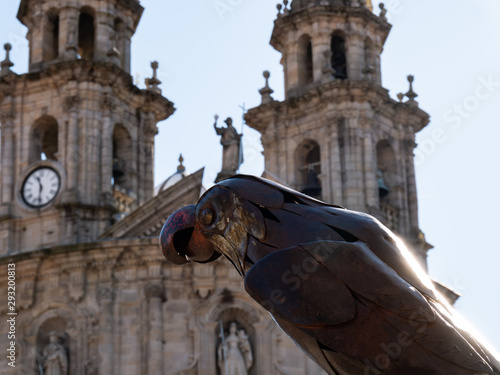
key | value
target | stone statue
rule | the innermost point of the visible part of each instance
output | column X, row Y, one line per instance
column 55, row 356
column 234, row 352
column 232, row 151
column 344, row 287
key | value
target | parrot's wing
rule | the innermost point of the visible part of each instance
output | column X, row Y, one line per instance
column 316, row 286
column 356, row 226
column 311, row 284
column 291, row 285
column 409, row 311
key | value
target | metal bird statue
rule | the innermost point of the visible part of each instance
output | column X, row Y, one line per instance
column 338, row 282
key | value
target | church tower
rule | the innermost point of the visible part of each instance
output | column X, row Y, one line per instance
column 77, row 136
column 338, row 135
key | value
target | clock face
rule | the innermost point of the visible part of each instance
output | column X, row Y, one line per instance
column 41, row 187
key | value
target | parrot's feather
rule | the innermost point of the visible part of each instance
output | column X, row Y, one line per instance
column 279, row 281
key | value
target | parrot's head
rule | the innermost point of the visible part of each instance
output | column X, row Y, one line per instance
column 229, row 219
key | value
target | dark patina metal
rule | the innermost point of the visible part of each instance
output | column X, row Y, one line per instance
column 338, row 282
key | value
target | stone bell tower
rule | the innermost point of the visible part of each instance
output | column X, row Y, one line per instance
column 338, row 135
column 77, row 134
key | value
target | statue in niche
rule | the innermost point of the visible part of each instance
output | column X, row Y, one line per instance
column 232, row 155
column 55, row 356
column 235, row 353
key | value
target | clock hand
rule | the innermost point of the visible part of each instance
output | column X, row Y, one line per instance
column 40, row 190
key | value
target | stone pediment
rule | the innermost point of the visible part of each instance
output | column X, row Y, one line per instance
column 148, row 219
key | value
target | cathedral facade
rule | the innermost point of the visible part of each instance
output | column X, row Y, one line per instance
column 80, row 218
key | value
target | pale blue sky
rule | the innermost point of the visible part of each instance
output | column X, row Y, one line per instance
column 212, row 64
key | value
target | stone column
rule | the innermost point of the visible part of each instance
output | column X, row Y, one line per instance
column 104, row 34
column 208, row 361
column 263, row 363
column 378, row 68
column 36, row 38
column 412, row 185
column 105, row 346
column 127, row 41
column 68, row 32
column 270, row 143
column 292, row 68
column 147, row 180
column 156, row 296
column 337, row 196
column 370, row 168
column 321, row 43
column 72, row 148
column 283, row 152
column 355, row 56
column 107, row 150
column 354, row 166
column 8, row 170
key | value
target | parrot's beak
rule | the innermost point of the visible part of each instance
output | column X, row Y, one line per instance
column 246, row 222
column 180, row 241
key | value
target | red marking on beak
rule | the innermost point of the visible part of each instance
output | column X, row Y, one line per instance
column 181, row 240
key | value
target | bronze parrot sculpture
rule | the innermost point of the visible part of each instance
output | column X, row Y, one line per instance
column 338, row 282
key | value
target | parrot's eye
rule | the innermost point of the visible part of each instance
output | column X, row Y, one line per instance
column 207, row 216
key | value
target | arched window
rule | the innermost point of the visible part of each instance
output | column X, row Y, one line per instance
column 86, row 34
column 386, row 169
column 308, row 160
column 339, row 57
column 44, row 139
column 51, row 36
column 122, row 156
column 305, row 60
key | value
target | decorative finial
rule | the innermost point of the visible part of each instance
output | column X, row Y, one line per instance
column 6, row 64
column 383, row 11
column 153, row 83
column 181, row 168
column 285, row 8
column 411, row 95
column 266, row 91
column 401, row 96
column 279, row 6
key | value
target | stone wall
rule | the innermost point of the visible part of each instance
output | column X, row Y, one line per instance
column 125, row 310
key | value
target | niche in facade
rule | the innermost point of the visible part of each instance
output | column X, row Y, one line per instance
column 305, row 60
column 52, row 342
column 86, row 34
column 44, row 139
column 339, row 57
